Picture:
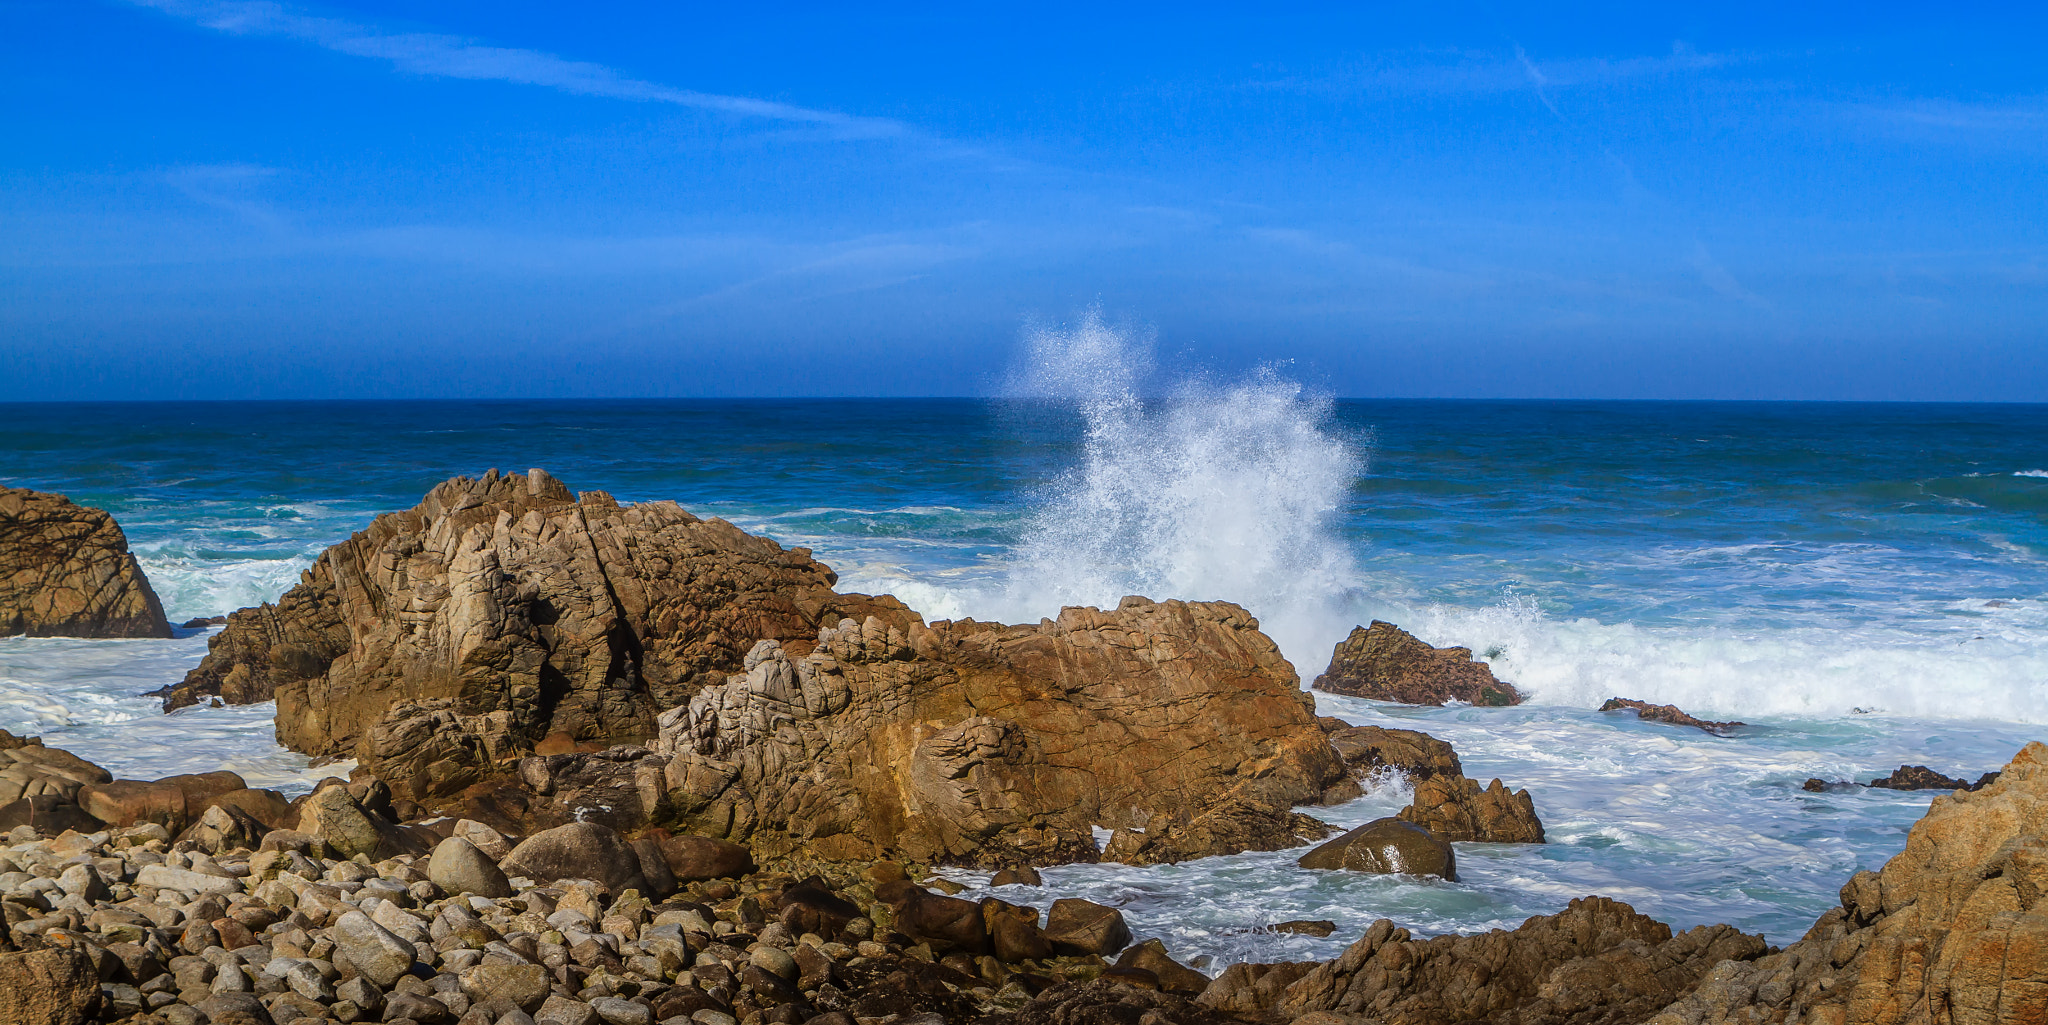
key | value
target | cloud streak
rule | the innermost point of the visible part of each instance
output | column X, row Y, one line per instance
column 447, row 56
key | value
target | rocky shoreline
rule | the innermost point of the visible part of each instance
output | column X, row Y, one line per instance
column 620, row 764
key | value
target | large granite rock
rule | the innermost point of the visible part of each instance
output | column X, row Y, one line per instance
column 1376, row 751
column 1386, row 846
column 1387, row 663
column 1953, row 929
column 65, row 571
column 1456, row 808
column 509, row 596
column 1597, row 962
column 970, row 742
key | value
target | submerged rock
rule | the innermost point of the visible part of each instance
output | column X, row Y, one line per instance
column 1951, row 929
column 1376, row 750
column 1455, row 808
column 1669, row 714
column 1387, row 663
column 65, row 571
column 1387, row 846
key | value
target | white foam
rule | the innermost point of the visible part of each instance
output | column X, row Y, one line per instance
column 2030, row 473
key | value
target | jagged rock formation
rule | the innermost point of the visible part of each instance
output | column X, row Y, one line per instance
column 1373, row 751
column 1387, row 663
column 976, row 743
column 1597, row 962
column 1920, row 777
column 1455, row 808
column 1952, row 930
column 508, row 595
column 65, row 571
column 1668, row 714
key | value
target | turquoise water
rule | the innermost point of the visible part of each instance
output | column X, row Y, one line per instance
column 1867, row 584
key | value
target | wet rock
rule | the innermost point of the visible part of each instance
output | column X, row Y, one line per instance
column 1455, row 808
column 1920, row 777
column 1598, row 961
column 579, row 850
column 458, row 867
column 1076, row 926
column 1230, row 826
column 1013, row 931
column 1174, row 977
column 1017, row 875
column 1388, row 845
column 1387, row 663
column 1373, row 751
column 48, row 987
column 202, row 622
column 1669, row 714
column 65, row 571
column 946, row 923
column 1952, row 928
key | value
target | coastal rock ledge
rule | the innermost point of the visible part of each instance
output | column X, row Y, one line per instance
column 65, row 571
column 510, row 652
column 1387, row 663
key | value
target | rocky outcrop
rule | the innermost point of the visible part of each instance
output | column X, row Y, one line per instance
column 1375, row 751
column 1597, row 962
column 1920, row 777
column 1952, row 929
column 970, row 742
column 1387, row 663
column 1386, row 846
column 1669, row 714
column 509, row 596
column 65, row 571
column 1455, row 808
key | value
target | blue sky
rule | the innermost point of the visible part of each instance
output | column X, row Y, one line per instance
column 220, row 199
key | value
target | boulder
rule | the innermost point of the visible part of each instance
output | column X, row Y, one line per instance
column 1455, row 808
column 336, row 816
column 458, row 867
column 1173, row 976
column 946, row 923
column 1387, row 846
column 225, row 827
column 696, row 859
column 974, row 743
column 579, row 850
column 376, row 952
column 623, row 786
column 1953, row 928
column 1375, row 751
column 1596, row 962
column 1250, row 989
column 1387, row 663
column 1229, row 827
column 1668, row 714
column 125, row 802
column 570, row 615
column 1076, row 926
column 1013, row 931
column 1920, row 777
column 48, row 987
column 65, row 571
column 810, row 906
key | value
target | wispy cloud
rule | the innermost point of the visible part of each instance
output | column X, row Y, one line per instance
column 426, row 53
column 1490, row 71
column 2019, row 121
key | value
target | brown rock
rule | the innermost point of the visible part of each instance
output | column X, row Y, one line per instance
column 1953, row 929
column 1076, row 926
column 511, row 595
column 1173, row 976
column 696, row 859
column 579, row 850
column 1387, row 663
column 1597, row 962
column 48, row 987
column 1229, row 827
column 947, row 923
column 1920, row 777
column 1118, row 998
column 225, row 827
column 623, row 787
column 126, row 802
column 975, row 743
column 1374, row 751
column 1016, row 875
column 1454, row 808
column 1386, row 846
column 1013, row 931
column 810, row 906
column 340, row 819
column 1251, row 989
column 1668, row 714
column 65, row 571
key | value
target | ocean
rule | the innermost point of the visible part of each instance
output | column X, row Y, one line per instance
column 1865, row 585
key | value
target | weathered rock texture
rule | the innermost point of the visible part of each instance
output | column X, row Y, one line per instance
column 1373, row 751
column 1386, row 846
column 1455, row 808
column 1597, row 962
column 1920, row 777
column 65, row 571
column 1668, row 714
column 1387, row 663
column 510, row 597
column 1952, row 930
column 976, row 743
